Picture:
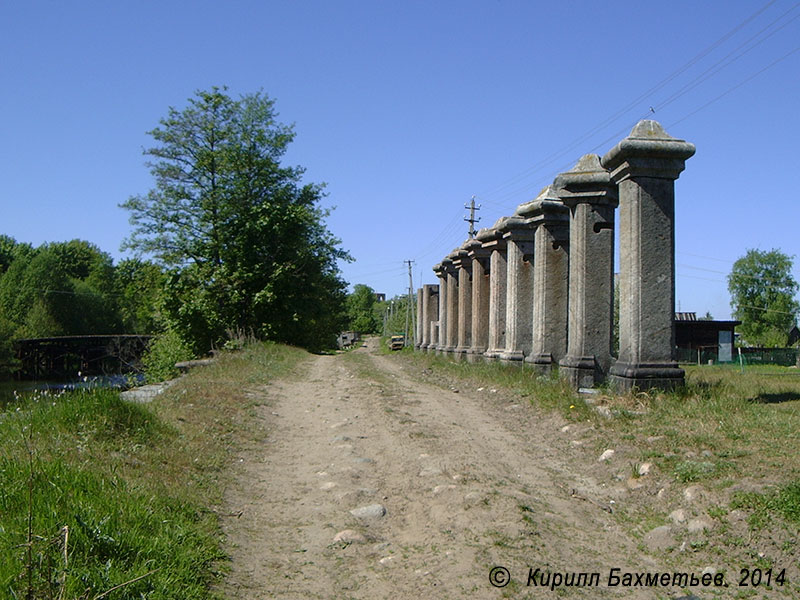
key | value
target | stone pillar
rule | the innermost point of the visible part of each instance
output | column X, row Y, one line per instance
column 591, row 197
column 441, row 329
column 464, row 265
column 645, row 165
column 480, row 258
column 492, row 241
column 550, row 220
column 429, row 313
column 419, row 323
column 451, row 327
column 519, row 289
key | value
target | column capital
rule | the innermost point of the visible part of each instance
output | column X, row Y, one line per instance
column 648, row 151
column 547, row 207
column 475, row 249
column 490, row 238
column 586, row 182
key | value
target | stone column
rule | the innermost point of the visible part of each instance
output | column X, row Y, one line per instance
column 645, row 165
column 492, row 241
column 519, row 289
column 451, row 327
column 592, row 198
column 428, row 313
column 550, row 219
column 464, row 265
column 480, row 258
column 418, row 324
column 441, row 330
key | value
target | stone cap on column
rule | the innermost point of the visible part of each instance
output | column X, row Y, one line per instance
column 586, row 182
column 459, row 256
column 514, row 226
column 648, row 151
column 475, row 249
column 490, row 238
column 546, row 207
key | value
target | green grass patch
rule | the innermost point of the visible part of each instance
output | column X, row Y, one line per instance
column 784, row 501
column 548, row 391
column 96, row 492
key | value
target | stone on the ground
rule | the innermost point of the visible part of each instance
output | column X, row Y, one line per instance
column 349, row 536
column 607, row 455
column 678, row 516
column 660, row 538
column 693, row 493
column 699, row 525
column 372, row 511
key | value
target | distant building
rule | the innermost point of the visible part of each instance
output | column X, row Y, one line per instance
column 708, row 340
column 380, row 297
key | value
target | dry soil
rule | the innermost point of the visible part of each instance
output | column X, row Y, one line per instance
column 469, row 479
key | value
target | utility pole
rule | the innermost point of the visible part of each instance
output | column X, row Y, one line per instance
column 472, row 220
column 409, row 307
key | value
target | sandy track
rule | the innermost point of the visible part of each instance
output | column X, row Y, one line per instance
column 469, row 480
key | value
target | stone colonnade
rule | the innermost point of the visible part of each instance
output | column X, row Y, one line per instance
column 537, row 287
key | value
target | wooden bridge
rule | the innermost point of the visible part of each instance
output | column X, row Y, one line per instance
column 66, row 356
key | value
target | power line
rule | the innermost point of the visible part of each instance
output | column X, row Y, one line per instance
column 519, row 178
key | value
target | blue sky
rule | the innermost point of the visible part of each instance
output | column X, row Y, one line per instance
column 408, row 109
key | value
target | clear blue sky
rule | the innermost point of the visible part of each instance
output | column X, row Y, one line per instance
column 407, row 109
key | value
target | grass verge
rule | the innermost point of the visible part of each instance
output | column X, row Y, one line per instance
column 736, row 434
column 96, row 492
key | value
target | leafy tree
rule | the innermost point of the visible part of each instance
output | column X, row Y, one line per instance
column 395, row 311
column 244, row 239
column 10, row 249
column 763, row 297
column 50, row 292
column 361, row 309
column 139, row 289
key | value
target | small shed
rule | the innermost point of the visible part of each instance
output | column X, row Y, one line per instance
column 706, row 338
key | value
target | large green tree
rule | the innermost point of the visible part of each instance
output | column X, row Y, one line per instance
column 243, row 237
column 361, row 309
column 61, row 288
column 763, row 294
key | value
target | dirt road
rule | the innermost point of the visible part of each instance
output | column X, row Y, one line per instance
column 469, row 480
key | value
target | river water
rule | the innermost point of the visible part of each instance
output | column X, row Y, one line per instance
column 120, row 382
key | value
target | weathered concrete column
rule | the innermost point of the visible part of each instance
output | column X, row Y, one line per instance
column 591, row 196
column 492, row 241
column 434, row 337
column 519, row 235
column 441, row 329
column 429, row 313
column 645, row 165
column 451, row 327
column 418, row 323
column 464, row 265
column 480, row 258
column 550, row 219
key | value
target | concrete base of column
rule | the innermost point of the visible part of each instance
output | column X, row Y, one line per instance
column 581, row 371
column 473, row 357
column 643, row 376
column 542, row 363
column 462, row 350
column 512, row 357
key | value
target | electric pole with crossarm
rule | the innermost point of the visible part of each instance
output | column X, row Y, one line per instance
column 472, row 220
